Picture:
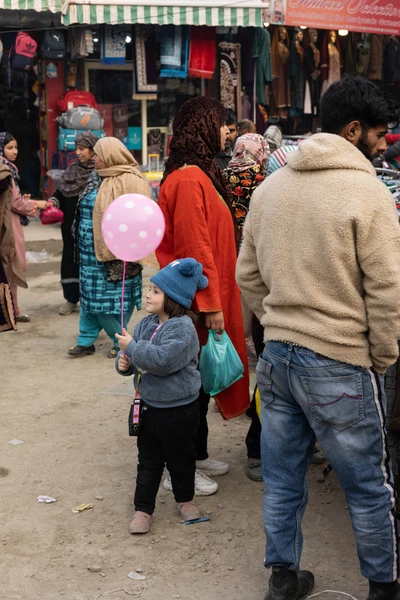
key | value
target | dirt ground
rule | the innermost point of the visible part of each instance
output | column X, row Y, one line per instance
column 71, row 415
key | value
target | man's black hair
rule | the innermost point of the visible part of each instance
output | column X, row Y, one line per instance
column 356, row 99
column 231, row 117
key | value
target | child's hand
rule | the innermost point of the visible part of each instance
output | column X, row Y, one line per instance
column 124, row 339
column 124, row 363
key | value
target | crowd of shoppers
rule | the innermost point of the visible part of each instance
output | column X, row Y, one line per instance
column 318, row 244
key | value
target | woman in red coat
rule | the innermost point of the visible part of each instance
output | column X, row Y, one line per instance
column 194, row 199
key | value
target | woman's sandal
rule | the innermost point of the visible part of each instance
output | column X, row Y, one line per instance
column 141, row 522
column 113, row 352
column 23, row 319
column 188, row 511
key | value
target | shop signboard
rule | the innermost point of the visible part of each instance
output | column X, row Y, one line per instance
column 372, row 16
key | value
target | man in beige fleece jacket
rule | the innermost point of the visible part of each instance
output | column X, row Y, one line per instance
column 320, row 267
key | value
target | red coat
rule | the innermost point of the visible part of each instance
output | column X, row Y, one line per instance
column 199, row 225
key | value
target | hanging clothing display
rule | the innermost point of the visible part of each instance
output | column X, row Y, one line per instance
column 374, row 71
column 113, row 46
column 263, row 63
column 230, row 76
column 363, row 44
column 144, row 63
column 312, row 62
column 246, row 107
column 80, row 42
column 202, row 52
column 350, row 65
column 331, row 60
column 280, row 92
column 297, row 74
column 392, row 61
column 174, row 51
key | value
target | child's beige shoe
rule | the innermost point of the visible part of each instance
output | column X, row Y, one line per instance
column 141, row 522
column 188, row 511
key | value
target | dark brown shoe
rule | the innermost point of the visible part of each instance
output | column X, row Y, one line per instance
column 81, row 351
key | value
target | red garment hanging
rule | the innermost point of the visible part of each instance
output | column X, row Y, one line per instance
column 202, row 51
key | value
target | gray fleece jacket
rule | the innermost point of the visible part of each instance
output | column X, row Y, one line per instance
column 168, row 364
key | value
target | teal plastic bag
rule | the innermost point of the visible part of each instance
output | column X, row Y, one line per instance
column 220, row 364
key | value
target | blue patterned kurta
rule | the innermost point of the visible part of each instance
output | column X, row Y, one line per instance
column 97, row 295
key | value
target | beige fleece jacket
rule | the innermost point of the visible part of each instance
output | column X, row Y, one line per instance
column 320, row 260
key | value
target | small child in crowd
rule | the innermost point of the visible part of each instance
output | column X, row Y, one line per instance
column 163, row 357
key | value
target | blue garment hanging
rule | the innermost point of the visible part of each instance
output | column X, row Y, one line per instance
column 174, row 47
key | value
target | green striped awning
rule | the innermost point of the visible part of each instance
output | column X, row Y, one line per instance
column 228, row 15
column 38, row 5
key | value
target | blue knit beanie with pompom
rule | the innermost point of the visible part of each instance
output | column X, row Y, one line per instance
column 181, row 279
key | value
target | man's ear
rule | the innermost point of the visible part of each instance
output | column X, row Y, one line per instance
column 352, row 132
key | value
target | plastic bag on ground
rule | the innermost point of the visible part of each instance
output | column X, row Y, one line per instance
column 220, row 364
column 38, row 257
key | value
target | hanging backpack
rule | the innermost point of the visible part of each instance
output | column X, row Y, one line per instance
column 74, row 98
column 53, row 47
column 22, row 53
column 81, row 117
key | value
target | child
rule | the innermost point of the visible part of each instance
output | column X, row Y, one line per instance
column 164, row 352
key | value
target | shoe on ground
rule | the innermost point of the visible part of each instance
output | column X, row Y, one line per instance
column 203, row 485
column 141, row 522
column 377, row 591
column 212, row 468
column 254, row 469
column 113, row 352
column 23, row 318
column 289, row 585
column 188, row 511
column 318, row 458
column 81, row 351
column 67, row 308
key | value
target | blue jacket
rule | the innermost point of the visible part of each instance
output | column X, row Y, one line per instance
column 169, row 363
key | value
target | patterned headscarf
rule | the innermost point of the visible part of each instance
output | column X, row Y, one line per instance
column 75, row 176
column 4, row 160
column 197, row 139
column 87, row 139
column 273, row 135
column 250, row 150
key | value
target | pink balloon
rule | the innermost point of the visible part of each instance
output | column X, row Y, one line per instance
column 133, row 227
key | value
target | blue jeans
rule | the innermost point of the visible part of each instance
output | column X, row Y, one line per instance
column 306, row 395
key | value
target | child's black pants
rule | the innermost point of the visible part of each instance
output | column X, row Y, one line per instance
column 167, row 437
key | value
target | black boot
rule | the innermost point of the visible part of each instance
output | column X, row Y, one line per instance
column 288, row 585
column 384, row 591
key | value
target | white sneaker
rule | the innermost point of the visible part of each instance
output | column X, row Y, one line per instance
column 67, row 308
column 212, row 467
column 203, row 485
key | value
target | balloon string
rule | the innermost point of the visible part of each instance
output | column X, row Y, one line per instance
column 122, row 299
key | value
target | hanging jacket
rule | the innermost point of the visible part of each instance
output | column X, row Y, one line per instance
column 392, row 62
column 263, row 63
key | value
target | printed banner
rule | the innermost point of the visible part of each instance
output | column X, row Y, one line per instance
column 372, row 16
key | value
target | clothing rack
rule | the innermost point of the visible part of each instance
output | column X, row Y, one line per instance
column 391, row 173
column 391, row 179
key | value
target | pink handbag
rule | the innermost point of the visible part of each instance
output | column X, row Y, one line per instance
column 51, row 215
